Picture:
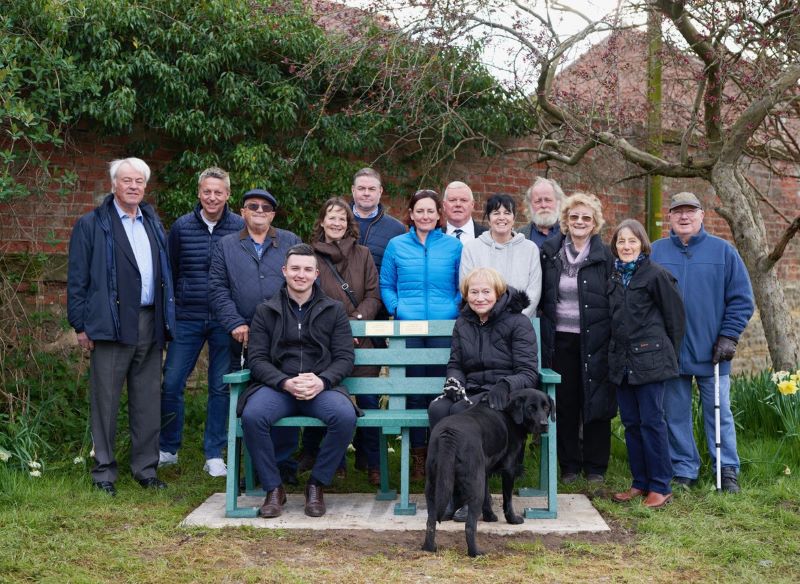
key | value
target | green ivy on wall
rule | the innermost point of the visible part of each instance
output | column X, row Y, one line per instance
column 256, row 88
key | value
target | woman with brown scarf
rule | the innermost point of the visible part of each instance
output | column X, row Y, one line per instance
column 347, row 273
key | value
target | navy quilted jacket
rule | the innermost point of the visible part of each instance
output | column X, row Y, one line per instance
column 190, row 249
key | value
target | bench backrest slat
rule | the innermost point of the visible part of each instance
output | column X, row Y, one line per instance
column 395, row 356
column 393, row 386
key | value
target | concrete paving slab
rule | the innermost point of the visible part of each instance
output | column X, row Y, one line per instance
column 362, row 511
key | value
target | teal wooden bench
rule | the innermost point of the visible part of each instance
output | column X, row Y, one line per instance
column 394, row 420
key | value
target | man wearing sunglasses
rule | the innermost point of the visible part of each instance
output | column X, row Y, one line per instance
column 246, row 271
column 191, row 241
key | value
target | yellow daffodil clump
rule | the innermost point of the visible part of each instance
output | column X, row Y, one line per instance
column 786, row 381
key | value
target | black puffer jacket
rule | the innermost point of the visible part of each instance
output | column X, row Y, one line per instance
column 647, row 325
column 502, row 349
column 326, row 336
column 599, row 401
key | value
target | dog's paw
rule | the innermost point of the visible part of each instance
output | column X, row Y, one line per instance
column 515, row 519
column 475, row 553
column 489, row 517
column 426, row 547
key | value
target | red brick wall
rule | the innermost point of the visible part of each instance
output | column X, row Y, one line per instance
column 42, row 223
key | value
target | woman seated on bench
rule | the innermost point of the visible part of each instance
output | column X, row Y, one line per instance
column 493, row 349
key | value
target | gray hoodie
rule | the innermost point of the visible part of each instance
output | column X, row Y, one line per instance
column 517, row 261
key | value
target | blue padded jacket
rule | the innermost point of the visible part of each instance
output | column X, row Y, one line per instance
column 421, row 281
column 716, row 291
column 190, row 249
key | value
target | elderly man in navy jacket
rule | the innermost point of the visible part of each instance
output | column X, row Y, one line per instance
column 191, row 240
column 719, row 303
column 120, row 303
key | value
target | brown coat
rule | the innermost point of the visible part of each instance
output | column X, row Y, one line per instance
column 355, row 264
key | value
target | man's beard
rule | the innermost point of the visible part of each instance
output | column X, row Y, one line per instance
column 545, row 219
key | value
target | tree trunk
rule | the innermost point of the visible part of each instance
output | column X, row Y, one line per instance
column 740, row 210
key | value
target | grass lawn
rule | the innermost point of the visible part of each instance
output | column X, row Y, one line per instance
column 56, row 529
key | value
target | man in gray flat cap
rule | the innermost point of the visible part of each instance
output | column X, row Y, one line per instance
column 719, row 302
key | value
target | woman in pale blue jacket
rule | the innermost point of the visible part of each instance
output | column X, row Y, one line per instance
column 419, row 281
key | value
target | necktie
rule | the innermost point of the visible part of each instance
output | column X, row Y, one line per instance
column 458, row 233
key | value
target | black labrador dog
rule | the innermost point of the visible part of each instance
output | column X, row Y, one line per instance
column 465, row 448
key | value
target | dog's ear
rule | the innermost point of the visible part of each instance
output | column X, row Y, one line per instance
column 552, row 408
column 516, row 408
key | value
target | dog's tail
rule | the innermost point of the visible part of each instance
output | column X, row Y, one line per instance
column 445, row 471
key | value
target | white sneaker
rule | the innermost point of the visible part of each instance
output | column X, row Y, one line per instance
column 167, row 458
column 216, row 467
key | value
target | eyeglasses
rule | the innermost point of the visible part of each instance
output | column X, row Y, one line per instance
column 254, row 207
column 584, row 218
column 684, row 212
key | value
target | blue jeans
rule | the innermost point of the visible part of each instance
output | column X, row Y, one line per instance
column 678, row 415
column 642, row 414
column 182, row 354
column 266, row 406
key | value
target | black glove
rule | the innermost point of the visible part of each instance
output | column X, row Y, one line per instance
column 724, row 349
column 498, row 396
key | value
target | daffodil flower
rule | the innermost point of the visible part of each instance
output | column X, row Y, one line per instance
column 35, row 473
column 787, row 387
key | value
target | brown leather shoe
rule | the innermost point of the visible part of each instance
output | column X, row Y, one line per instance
column 274, row 502
column 656, row 500
column 315, row 503
column 374, row 477
column 629, row 495
column 418, row 456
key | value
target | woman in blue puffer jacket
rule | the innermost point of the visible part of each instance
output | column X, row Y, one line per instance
column 419, row 281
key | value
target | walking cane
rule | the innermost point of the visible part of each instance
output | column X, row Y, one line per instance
column 716, row 427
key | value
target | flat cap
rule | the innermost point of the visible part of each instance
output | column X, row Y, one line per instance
column 260, row 194
column 684, row 200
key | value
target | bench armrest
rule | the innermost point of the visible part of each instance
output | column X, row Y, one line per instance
column 547, row 376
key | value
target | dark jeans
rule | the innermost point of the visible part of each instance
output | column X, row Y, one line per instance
column 365, row 441
column 581, row 446
column 642, row 413
column 284, row 439
column 266, row 406
column 419, row 436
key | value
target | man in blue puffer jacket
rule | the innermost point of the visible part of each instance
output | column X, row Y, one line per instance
column 718, row 299
column 191, row 241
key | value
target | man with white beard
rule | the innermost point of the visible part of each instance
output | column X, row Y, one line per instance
column 544, row 199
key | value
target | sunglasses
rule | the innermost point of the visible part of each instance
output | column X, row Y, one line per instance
column 266, row 207
column 584, row 218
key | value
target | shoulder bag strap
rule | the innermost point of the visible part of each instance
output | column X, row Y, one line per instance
column 345, row 285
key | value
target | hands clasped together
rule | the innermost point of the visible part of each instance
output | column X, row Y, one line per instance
column 305, row 386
